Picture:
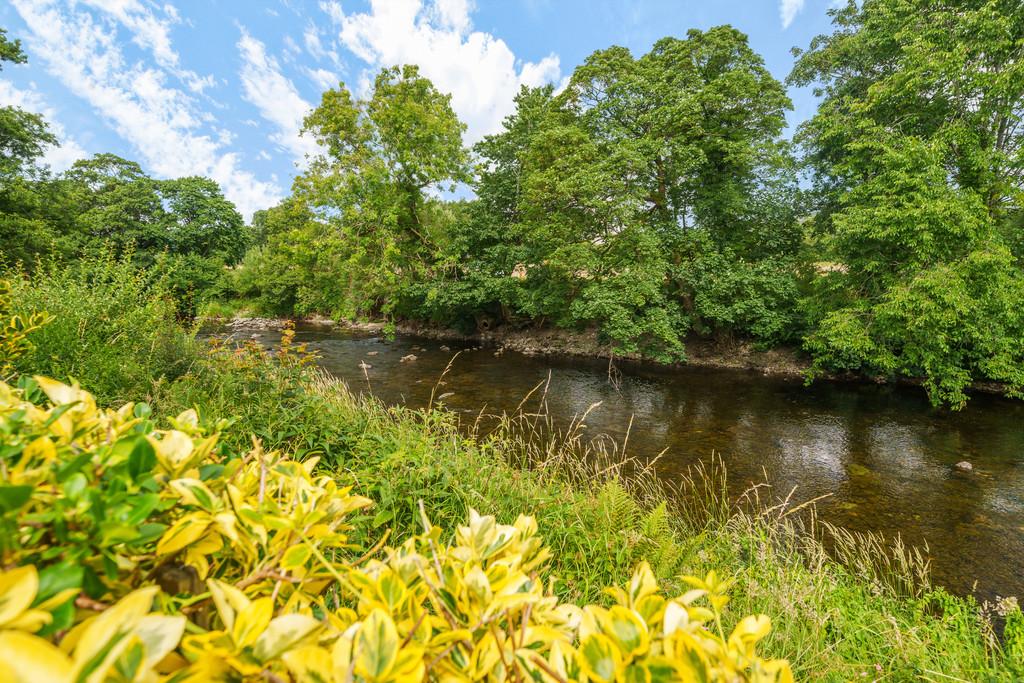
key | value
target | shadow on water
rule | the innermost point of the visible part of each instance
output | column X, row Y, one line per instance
column 882, row 456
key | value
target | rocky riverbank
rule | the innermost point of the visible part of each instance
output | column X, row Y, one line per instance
column 736, row 355
column 585, row 344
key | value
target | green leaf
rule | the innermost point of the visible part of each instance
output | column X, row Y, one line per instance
column 75, row 485
column 14, row 497
column 142, row 458
column 57, row 578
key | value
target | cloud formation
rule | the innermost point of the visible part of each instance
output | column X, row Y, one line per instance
column 275, row 96
column 162, row 123
column 480, row 71
column 788, row 9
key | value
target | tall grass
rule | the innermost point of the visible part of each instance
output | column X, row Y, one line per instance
column 113, row 328
column 843, row 606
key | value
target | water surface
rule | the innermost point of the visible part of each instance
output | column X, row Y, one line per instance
column 883, row 455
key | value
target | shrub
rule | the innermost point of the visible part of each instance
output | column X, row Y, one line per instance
column 14, row 331
column 255, row 577
column 114, row 328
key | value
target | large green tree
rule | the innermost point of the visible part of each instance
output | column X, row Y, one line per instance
column 918, row 160
column 614, row 202
column 25, row 197
column 371, row 189
column 117, row 205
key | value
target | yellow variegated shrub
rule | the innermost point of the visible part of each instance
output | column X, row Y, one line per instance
column 14, row 330
column 138, row 554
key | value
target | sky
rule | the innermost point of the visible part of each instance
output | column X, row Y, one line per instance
column 220, row 87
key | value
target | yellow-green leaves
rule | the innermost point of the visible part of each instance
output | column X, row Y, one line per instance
column 14, row 330
column 27, row 659
column 206, row 569
column 17, row 592
column 377, row 646
column 600, row 659
column 251, row 621
column 282, row 634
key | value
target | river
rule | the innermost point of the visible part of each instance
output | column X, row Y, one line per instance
column 882, row 455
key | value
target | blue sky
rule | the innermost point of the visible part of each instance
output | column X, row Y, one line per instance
column 219, row 87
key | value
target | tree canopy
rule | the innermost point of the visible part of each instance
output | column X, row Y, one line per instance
column 654, row 199
column 917, row 151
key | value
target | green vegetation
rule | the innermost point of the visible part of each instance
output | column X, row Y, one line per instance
column 113, row 328
column 256, row 577
column 872, row 612
column 918, row 153
column 652, row 201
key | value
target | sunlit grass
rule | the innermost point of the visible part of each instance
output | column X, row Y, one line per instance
column 844, row 605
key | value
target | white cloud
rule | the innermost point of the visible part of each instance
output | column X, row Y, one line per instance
column 332, row 8
column 161, row 122
column 480, row 71
column 291, row 48
column 313, row 44
column 153, row 33
column 279, row 102
column 324, row 79
column 316, row 48
column 788, row 9
column 58, row 158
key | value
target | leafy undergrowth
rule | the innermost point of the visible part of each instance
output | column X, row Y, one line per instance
column 878, row 620
column 144, row 554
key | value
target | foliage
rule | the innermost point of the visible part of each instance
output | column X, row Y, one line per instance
column 15, row 329
column 918, row 157
column 368, row 228
column 96, row 504
column 114, row 327
column 108, row 203
column 588, row 200
column 840, row 623
column 24, row 137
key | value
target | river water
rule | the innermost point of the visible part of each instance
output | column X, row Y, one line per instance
column 883, row 456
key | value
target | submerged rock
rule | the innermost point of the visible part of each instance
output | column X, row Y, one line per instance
column 445, row 395
column 445, row 347
column 858, row 470
column 408, row 359
column 372, row 353
column 964, row 466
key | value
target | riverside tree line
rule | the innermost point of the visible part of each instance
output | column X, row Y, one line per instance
column 653, row 199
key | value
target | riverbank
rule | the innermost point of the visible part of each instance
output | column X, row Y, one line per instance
column 871, row 615
column 784, row 362
column 739, row 355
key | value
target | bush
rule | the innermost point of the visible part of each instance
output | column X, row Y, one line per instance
column 255, row 577
column 114, row 328
column 14, row 331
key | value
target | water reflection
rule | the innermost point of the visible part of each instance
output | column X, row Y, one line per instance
column 882, row 453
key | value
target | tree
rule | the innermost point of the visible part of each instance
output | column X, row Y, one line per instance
column 24, row 136
column 200, row 221
column 118, row 206
column 917, row 149
column 370, row 187
column 601, row 197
